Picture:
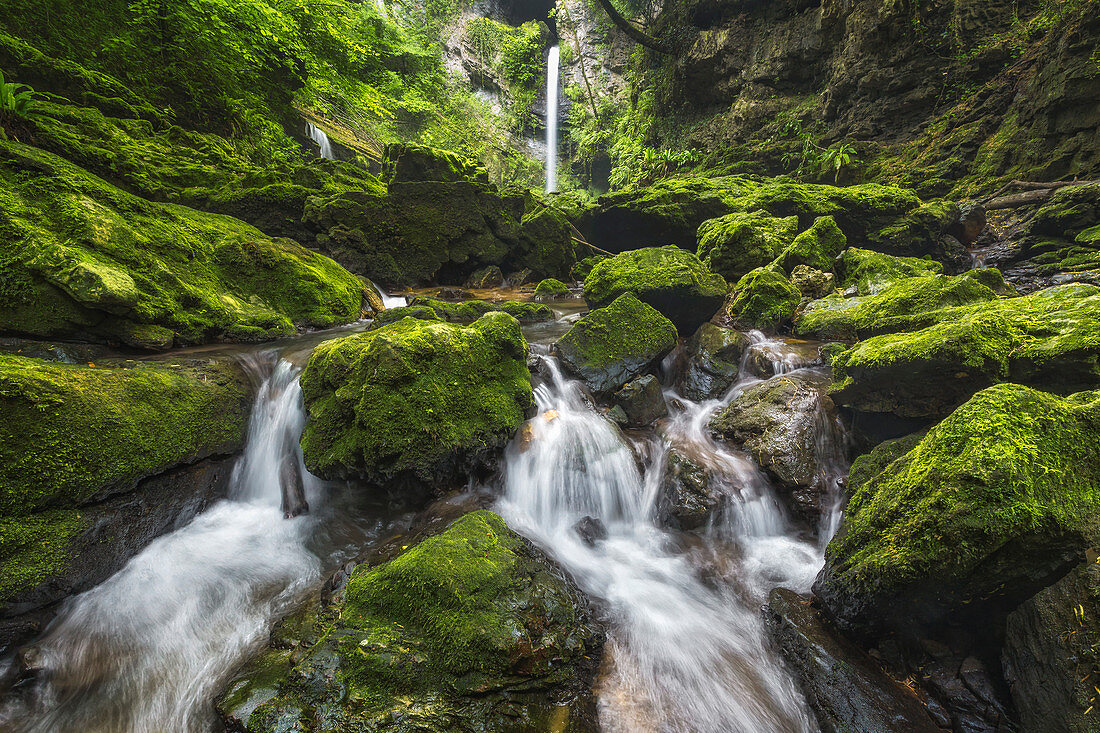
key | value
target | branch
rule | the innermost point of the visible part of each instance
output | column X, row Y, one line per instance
column 1034, row 192
column 635, row 33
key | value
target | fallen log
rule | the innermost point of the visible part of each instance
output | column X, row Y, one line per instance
column 1034, row 192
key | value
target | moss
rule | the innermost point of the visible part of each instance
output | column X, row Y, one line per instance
column 991, row 503
column 734, row 244
column 669, row 279
column 764, row 298
column 469, row 630
column 415, row 399
column 867, row 466
column 872, row 272
column 83, row 259
column 612, row 345
column 471, row 310
column 817, row 247
column 551, row 289
column 411, row 162
column 390, row 315
column 36, row 547
column 581, row 270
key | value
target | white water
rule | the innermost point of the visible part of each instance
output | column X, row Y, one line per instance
column 552, row 120
column 685, row 656
column 318, row 136
column 147, row 650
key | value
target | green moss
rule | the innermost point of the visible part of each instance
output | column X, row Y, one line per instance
column 612, row 345
column 817, row 247
column 418, row 399
column 390, row 315
column 734, row 244
column 1000, row 495
column 471, row 310
column 88, row 259
column 33, row 548
column 551, row 289
column 867, row 466
column 764, row 298
column 872, row 272
column 411, row 162
column 580, row 270
column 669, row 279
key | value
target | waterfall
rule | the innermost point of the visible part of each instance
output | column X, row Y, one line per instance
column 552, row 121
column 317, row 135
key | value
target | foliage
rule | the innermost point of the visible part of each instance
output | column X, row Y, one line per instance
column 16, row 100
column 810, row 160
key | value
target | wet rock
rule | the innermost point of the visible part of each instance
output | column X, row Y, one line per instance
column 993, row 504
column 689, row 494
column 1052, row 654
column 520, row 277
column 294, row 502
column 470, row 310
column 487, row 630
column 612, row 345
column 551, row 289
column 812, row 283
column 736, row 244
column 710, row 362
column 847, row 690
column 669, row 279
column 641, row 401
column 590, row 530
column 954, row 256
column 416, row 406
column 486, row 277
column 971, row 222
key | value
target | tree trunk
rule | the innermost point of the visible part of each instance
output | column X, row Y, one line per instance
column 635, row 33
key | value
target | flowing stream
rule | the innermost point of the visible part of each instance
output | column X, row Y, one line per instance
column 150, row 649
column 552, row 120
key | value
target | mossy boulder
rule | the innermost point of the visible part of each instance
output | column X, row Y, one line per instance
column 486, row 277
column 470, row 630
column 994, row 503
column 391, row 315
column 73, row 437
column 551, row 289
column 765, row 298
column 612, row 345
column 812, row 283
column 412, row 162
column 711, row 362
column 736, row 244
column 580, row 270
column 470, row 310
column 869, row 272
column 416, row 404
column 816, row 247
column 83, row 260
column 668, row 278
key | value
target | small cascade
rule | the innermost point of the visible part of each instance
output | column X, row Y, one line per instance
column 317, row 135
column 147, row 650
column 552, row 120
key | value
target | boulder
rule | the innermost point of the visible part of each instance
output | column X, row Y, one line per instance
column 971, row 222
column 641, row 401
column 846, row 689
column 872, row 272
column 470, row 310
column 416, row 405
column 690, row 495
column 710, row 362
column 994, row 503
column 486, row 277
column 612, row 345
column 810, row 282
column 470, row 629
column 764, row 299
column 551, row 289
column 816, row 247
column 411, row 162
column 390, row 315
column 671, row 280
column 735, row 244
column 580, row 270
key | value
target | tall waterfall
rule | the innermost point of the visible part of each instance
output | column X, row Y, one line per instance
column 552, row 120
column 317, row 135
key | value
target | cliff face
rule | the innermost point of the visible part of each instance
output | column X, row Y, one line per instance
column 953, row 94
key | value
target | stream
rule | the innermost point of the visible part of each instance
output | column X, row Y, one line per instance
column 149, row 649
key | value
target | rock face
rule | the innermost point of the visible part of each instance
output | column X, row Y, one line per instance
column 502, row 639
column 612, row 345
column 642, row 401
column 847, row 690
column 415, row 404
column 735, row 244
column 671, row 280
column 765, row 298
column 993, row 504
column 1051, row 654
column 95, row 463
column 711, row 361
column 84, row 260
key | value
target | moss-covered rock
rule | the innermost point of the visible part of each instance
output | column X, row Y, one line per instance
column 415, row 403
column 668, row 278
column 84, row 260
column 735, row 244
column 765, row 298
column 994, row 503
column 812, row 283
column 816, row 247
column 471, row 630
column 872, row 272
column 871, row 464
column 76, row 435
column 470, row 310
column 551, row 289
column 612, row 345
column 412, row 162
column 390, row 315
column 486, row 277
column 580, row 270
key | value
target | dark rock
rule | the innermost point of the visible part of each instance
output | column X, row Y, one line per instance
column 690, row 496
column 710, row 362
column 812, row 283
column 590, row 530
column 486, row 277
column 972, row 221
column 642, row 401
column 847, row 690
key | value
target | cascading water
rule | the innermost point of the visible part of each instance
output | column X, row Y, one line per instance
column 552, row 120
column 317, row 135
column 685, row 656
column 147, row 650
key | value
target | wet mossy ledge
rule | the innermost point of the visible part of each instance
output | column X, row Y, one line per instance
column 74, row 436
column 416, row 405
column 84, row 260
column 472, row 629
